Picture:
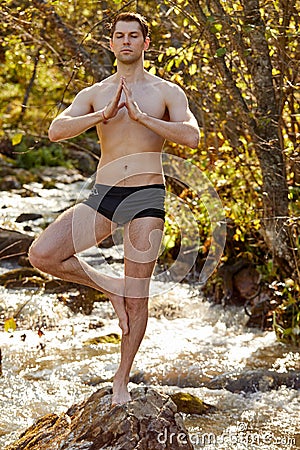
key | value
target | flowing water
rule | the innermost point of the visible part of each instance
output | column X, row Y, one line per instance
column 188, row 342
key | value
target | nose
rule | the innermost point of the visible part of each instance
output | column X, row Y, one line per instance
column 126, row 39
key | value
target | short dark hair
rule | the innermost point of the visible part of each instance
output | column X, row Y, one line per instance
column 131, row 17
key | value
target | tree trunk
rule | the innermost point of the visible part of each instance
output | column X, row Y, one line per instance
column 268, row 145
column 262, row 123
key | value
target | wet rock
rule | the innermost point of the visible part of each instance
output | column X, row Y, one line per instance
column 149, row 421
column 107, row 243
column 95, row 325
column 77, row 297
column 241, row 282
column 12, row 177
column 18, row 277
column 9, row 182
column 261, row 311
column 257, row 380
column 24, row 217
column 49, row 175
column 190, row 404
column 13, row 243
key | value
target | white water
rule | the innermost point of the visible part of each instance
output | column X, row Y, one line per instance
column 188, row 341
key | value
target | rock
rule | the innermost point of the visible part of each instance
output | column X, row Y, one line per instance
column 241, row 281
column 190, row 404
column 9, row 182
column 256, row 380
column 17, row 277
column 77, row 297
column 149, row 422
column 12, row 177
column 86, row 163
column 24, row 217
column 261, row 311
column 13, row 243
column 49, row 175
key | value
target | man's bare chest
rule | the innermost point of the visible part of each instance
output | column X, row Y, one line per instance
column 149, row 100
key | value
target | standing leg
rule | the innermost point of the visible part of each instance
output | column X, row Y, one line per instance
column 142, row 238
column 77, row 229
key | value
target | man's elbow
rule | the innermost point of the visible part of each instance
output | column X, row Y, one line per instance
column 53, row 134
column 194, row 139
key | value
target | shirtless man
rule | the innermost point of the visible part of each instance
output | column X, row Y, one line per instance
column 134, row 112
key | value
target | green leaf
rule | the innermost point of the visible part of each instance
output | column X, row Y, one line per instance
column 221, row 51
column 193, row 69
column 17, row 138
column 10, row 324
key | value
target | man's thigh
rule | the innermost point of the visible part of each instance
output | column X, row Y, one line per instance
column 75, row 230
column 142, row 241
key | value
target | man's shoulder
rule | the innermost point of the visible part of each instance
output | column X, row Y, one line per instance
column 102, row 85
column 166, row 86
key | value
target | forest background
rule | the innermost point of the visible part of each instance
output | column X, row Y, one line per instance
column 238, row 62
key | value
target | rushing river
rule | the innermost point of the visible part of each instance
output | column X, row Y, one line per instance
column 188, row 342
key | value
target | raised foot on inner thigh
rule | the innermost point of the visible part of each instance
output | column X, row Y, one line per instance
column 118, row 303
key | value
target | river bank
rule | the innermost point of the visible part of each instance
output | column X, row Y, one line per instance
column 49, row 362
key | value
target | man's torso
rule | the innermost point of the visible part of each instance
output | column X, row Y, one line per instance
column 130, row 152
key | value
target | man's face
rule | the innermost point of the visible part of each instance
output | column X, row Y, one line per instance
column 128, row 42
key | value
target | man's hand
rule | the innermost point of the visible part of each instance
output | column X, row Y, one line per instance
column 133, row 109
column 114, row 106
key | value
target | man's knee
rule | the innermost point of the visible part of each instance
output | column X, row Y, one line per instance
column 40, row 257
column 136, row 306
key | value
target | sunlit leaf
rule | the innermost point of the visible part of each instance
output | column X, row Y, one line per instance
column 10, row 324
column 193, row 69
column 152, row 70
column 17, row 138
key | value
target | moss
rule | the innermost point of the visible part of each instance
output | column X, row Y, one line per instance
column 190, row 404
column 112, row 338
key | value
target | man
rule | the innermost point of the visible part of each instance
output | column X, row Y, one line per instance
column 134, row 112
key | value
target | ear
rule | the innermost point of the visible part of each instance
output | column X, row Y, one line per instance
column 111, row 45
column 146, row 43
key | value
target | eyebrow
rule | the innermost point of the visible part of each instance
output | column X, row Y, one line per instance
column 130, row 32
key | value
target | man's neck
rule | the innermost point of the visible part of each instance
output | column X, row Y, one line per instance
column 132, row 72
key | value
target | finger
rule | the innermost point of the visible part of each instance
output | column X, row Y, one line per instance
column 126, row 88
column 119, row 92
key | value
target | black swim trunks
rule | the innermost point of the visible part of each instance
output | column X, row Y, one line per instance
column 121, row 204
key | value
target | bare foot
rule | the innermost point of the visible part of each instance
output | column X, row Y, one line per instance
column 118, row 303
column 120, row 394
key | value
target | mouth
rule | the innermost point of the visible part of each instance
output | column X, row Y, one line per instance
column 126, row 50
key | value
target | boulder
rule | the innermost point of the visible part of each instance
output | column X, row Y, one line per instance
column 13, row 243
column 149, row 421
column 256, row 380
column 25, row 217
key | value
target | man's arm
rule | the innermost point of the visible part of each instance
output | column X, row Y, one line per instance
column 182, row 127
column 79, row 116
